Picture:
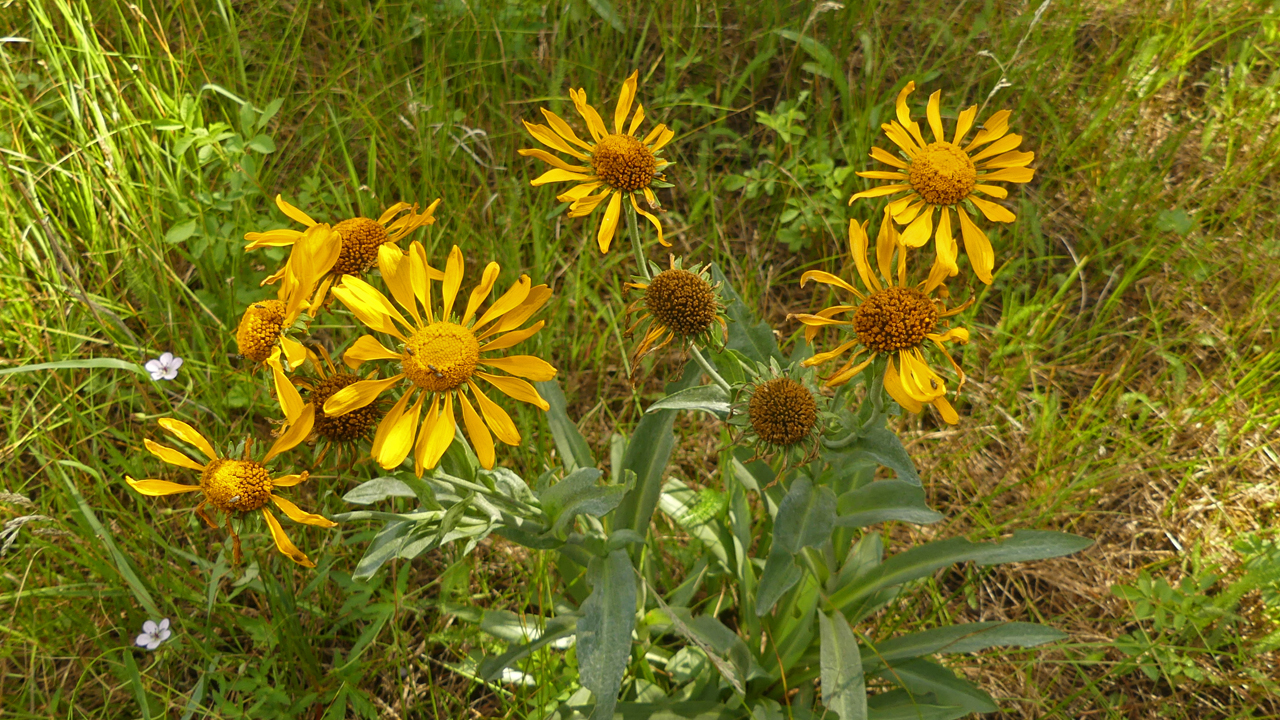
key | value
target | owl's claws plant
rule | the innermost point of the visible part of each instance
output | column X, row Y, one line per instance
column 777, row 610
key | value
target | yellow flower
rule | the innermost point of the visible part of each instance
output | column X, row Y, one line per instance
column 261, row 335
column 440, row 356
column 615, row 164
column 235, row 486
column 344, row 430
column 893, row 319
column 354, row 242
column 944, row 176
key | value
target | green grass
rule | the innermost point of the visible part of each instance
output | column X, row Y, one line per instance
column 1122, row 369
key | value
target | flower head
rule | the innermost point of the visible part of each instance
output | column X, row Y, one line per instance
column 164, row 367
column 893, row 319
column 944, row 175
column 236, row 486
column 341, row 431
column 779, row 410
column 680, row 305
column 607, row 166
column 153, row 634
column 354, row 242
column 441, row 355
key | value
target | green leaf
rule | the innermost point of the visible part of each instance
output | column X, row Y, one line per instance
column 648, row 451
column 823, row 56
column 962, row 638
column 675, row 710
column 1176, row 221
column 844, row 689
column 111, row 363
column 681, row 503
column 384, row 546
column 806, row 516
column 491, row 668
column 604, row 8
column 902, row 705
column 882, row 501
column 180, row 232
column 378, row 489
column 780, row 574
column 604, row 631
column 573, row 448
column 749, row 337
column 885, row 447
column 921, row 677
column 708, row 398
column 1026, row 545
column 263, row 144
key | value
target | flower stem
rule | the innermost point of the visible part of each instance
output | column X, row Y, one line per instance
column 709, row 369
column 633, row 227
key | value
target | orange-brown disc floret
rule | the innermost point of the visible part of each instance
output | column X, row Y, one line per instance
column 943, row 174
column 681, row 301
column 624, row 163
column 341, row 428
column 441, row 356
column 236, row 485
column 361, row 238
column 260, row 328
column 895, row 318
column 782, row 411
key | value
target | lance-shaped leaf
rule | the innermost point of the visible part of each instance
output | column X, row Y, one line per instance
column 962, row 638
column 574, row 451
column 806, row 517
column 747, row 335
column 921, row 677
column 882, row 501
column 883, row 445
column 844, row 689
column 604, row 630
column 708, row 398
column 555, row 629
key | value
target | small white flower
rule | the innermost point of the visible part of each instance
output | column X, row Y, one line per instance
column 153, row 634
column 164, row 367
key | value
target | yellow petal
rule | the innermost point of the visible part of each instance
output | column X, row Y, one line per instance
column 811, row 331
column 157, row 488
column 394, row 265
column 848, row 373
column 171, row 456
column 420, row 276
column 552, row 160
column 271, row 238
column 512, row 338
column 827, row 278
column 289, row 480
column 610, row 222
column 664, row 137
column 293, row 351
column 935, row 116
column 370, row 306
column 882, row 175
column 904, row 213
column 994, row 212
column 410, row 221
column 964, row 123
column 286, row 393
column 525, row 366
column 495, row 417
column 920, row 230
column 294, row 213
column 858, row 249
column 394, row 447
column 297, row 515
column 588, row 113
column 481, row 440
column 438, row 438
column 588, row 204
column 904, row 116
column 957, row 334
column 480, row 292
column 1003, row 145
column 366, row 348
column 625, row 98
column 358, row 394
column 817, row 320
column 977, row 247
column 993, row 129
column 509, row 301
column 652, row 219
column 388, row 423
column 881, row 191
column 830, row 355
column 533, row 302
column 544, row 135
column 452, row 281
column 516, row 388
column 562, row 128
column 1014, row 174
column 296, row 433
column 1014, row 158
column 636, row 120
column 578, row 192
column 188, row 434
column 887, row 241
column 888, row 158
column 899, row 136
column 893, row 385
column 945, row 243
column 947, row 412
column 558, row 175
column 918, row 379
column 994, row 191
column 283, row 544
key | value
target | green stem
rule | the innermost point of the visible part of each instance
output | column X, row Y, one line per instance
column 633, row 227
column 709, row 369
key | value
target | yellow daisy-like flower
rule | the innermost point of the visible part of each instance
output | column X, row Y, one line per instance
column 613, row 164
column 893, row 319
column 261, row 335
column 235, row 486
column 942, row 176
column 355, row 241
column 440, row 357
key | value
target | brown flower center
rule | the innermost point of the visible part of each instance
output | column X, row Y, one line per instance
column 236, row 485
column 782, row 411
column 894, row 318
column 441, row 356
column 361, row 238
column 342, row 428
column 682, row 301
column 624, row 163
column 942, row 174
column 259, row 329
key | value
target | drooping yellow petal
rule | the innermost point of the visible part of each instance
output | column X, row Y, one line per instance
column 945, row 243
column 388, row 423
column 827, row 278
column 888, row 158
column 512, row 338
column 394, row 264
column 1013, row 174
column 509, row 301
column 495, row 417
column 358, row 394
column 886, row 242
column 171, row 456
column 398, row 442
column 438, row 438
column 811, row 331
column 920, row 229
column 294, row 213
column 188, row 434
column 849, row 372
column 977, row 247
column 293, row 351
column 588, row 113
column 993, row 212
column 625, row 97
column 918, row 379
column 901, row 206
column 610, row 222
column 298, row 515
column 516, row 388
column 562, row 128
column 652, row 219
column 481, row 439
column 525, row 366
column 585, row 205
column 964, row 123
column 286, row 392
column 546, row 136
column 893, row 385
column 956, row 334
column 817, row 320
column 283, row 544
column 830, row 355
column 944, row 409
column 157, row 488
column 577, row 192
column 553, row 161
column 452, row 281
column 294, row 434
column 935, row 116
